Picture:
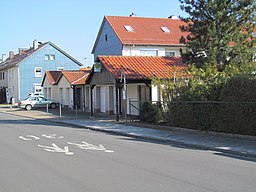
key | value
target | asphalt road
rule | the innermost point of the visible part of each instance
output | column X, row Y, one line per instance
column 41, row 156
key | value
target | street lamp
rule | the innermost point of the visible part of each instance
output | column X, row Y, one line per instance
column 123, row 77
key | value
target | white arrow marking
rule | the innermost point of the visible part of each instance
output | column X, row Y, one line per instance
column 27, row 137
column 56, row 149
column 88, row 146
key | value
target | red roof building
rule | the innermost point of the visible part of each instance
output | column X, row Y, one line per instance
column 139, row 36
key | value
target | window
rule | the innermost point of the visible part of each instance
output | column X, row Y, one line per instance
column 106, row 37
column 165, row 29
column 170, row 54
column 148, row 52
column 46, row 57
column 38, row 71
column 128, row 28
column 52, row 57
column 60, row 68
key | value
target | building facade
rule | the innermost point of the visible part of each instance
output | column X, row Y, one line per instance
column 22, row 73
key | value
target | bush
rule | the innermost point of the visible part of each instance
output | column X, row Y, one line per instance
column 180, row 114
column 151, row 113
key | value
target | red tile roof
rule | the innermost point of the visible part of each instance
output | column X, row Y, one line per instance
column 76, row 77
column 53, row 76
column 144, row 67
column 147, row 31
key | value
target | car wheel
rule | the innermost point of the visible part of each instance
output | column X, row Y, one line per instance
column 28, row 107
column 53, row 105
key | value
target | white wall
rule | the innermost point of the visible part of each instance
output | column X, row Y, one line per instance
column 135, row 50
column 12, row 83
column 65, row 93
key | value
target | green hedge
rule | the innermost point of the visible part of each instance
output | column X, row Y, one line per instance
column 235, row 111
column 151, row 113
column 228, row 117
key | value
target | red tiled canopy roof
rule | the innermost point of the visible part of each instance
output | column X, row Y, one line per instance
column 53, row 76
column 144, row 67
column 147, row 31
column 76, row 77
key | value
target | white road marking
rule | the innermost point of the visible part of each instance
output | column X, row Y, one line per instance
column 28, row 137
column 88, row 146
column 56, row 149
column 52, row 136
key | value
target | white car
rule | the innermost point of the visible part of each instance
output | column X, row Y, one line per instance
column 37, row 94
column 32, row 102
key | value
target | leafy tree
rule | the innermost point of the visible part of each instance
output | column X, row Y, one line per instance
column 220, row 32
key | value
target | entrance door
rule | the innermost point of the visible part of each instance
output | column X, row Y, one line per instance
column 78, row 98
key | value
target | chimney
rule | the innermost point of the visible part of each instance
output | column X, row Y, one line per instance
column 35, row 44
column 21, row 51
column 11, row 54
column 3, row 57
column 173, row 17
column 133, row 15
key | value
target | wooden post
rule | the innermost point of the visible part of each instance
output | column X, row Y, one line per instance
column 91, row 95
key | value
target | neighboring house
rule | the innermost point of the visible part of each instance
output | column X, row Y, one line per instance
column 139, row 36
column 107, row 81
column 68, row 87
column 50, row 84
column 22, row 73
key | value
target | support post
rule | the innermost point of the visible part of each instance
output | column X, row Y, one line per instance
column 117, row 101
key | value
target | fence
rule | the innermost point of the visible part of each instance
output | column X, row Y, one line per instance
column 230, row 117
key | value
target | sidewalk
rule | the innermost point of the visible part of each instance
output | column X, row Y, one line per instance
column 240, row 145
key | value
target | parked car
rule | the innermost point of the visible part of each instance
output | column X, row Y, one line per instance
column 32, row 102
column 37, row 94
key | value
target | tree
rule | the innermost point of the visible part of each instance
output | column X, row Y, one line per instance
column 221, row 32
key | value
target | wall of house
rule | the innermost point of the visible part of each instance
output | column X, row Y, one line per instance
column 65, row 93
column 132, row 99
column 50, row 91
column 27, row 68
column 13, row 83
column 108, row 42
column 3, row 79
column 155, row 93
column 136, row 50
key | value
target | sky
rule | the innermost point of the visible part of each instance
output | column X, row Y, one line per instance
column 72, row 25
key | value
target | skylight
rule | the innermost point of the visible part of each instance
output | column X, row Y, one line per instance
column 128, row 28
column 165, row 29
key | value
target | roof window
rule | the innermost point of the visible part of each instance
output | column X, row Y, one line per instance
column 165, row 29
column 128, row 28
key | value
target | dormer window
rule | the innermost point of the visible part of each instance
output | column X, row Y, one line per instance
column 165, row 29
column 128, row 28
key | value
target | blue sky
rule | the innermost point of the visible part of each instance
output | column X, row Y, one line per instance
column 70, row 24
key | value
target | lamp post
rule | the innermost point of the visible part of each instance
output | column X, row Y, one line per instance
column 123, row 77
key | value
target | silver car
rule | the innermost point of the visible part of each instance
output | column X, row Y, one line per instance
column 32, row 102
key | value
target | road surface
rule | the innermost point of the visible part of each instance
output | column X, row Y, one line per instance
column 40, row 156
